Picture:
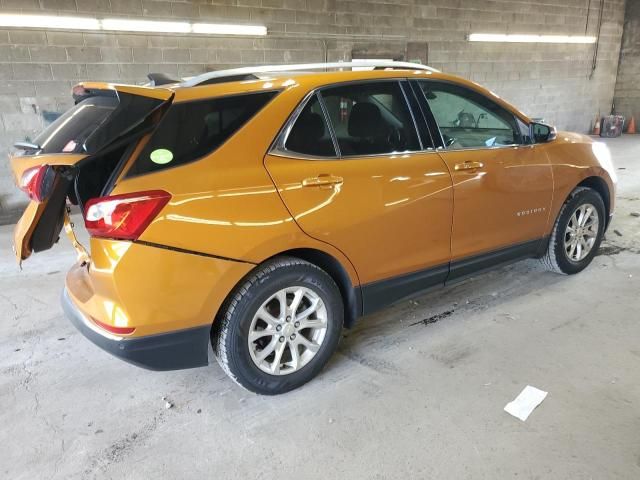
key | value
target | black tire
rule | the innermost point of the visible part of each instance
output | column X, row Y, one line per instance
column 556, row 257
column 230, row 334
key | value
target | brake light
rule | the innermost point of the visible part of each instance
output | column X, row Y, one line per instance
column 123, row 217
column 37, row 182
column 112, row 329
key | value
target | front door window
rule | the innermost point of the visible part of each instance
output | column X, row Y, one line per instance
column 469, row 120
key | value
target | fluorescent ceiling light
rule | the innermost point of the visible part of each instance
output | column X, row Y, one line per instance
column 516, row 38
column 49, row 21
column 127, row 25
column 123, row 25
column 221, row 29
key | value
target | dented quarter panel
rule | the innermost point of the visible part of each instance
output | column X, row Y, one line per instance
column 149, row 288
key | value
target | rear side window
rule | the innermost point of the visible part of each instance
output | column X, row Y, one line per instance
column 191, row 130
column 310, row 134
column 371, row 118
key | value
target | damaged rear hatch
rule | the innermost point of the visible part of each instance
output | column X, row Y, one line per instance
column 80, row 156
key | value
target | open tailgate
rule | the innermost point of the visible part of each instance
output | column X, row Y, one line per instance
column 104, row 115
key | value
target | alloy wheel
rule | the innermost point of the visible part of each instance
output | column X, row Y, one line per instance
column 287, row 330
column 581, row 232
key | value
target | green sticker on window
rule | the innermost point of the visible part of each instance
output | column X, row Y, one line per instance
column 161, row 156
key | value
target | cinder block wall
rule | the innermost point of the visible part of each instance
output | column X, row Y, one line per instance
column 38, row 68
column 627, row 94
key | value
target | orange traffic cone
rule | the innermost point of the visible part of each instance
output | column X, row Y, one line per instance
column 596, row 127
column 632, row 126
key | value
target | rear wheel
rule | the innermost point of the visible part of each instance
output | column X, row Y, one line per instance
column 280, row 327
column 577, row 233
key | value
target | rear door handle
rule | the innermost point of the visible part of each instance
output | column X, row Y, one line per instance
column 468, row 166
column 322, row 180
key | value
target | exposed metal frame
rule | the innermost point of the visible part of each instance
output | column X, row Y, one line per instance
column 198, row 79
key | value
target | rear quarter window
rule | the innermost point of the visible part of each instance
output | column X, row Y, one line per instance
column 191, row 130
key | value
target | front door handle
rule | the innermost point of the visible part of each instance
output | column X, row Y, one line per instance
column 468, row 166
column 322, row 180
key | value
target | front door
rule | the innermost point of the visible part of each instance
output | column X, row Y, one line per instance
column 354, row 173
column 503, row 185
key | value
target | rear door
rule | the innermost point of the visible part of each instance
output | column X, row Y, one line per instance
column 353, row 171
column 45, row 169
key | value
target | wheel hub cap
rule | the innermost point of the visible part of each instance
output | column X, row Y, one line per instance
column 287, row 330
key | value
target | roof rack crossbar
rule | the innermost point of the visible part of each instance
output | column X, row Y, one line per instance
column 199, row 79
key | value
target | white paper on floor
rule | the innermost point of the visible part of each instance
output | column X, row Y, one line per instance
column 526, row 402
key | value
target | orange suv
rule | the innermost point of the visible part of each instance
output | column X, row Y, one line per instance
column 263, row 209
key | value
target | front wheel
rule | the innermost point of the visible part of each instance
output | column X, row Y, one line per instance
column 577, row 233
column 280, row 327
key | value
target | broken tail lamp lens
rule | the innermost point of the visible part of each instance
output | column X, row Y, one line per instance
column 123, row 217
column 37, row 182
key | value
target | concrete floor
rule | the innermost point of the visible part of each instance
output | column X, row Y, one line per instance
column 403, row 398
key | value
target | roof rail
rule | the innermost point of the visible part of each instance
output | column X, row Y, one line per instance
column 248, row 71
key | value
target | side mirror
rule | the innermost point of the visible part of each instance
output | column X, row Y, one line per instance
column 542, row 133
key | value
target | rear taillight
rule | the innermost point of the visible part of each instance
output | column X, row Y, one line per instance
column 123, row 217
column 37, row 182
